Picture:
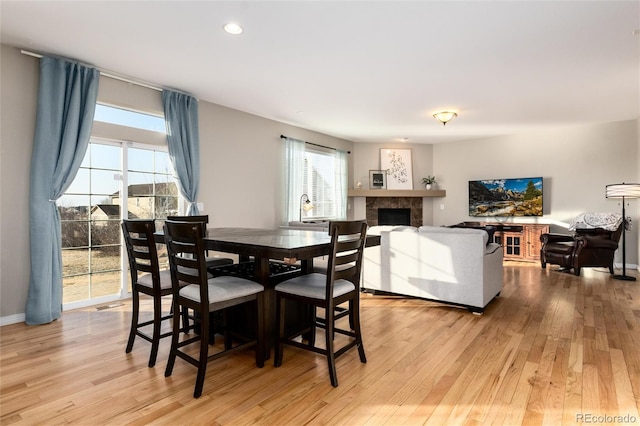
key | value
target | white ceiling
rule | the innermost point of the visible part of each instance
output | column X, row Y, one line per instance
column 367, row 71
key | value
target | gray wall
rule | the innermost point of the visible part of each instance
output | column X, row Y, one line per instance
column 19, row 87
column 241, row 177
column 241, row 167
column 575, row 162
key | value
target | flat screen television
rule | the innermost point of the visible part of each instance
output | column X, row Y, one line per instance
column 505, row 197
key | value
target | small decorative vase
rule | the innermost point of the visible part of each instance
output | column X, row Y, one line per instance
column 428, row 186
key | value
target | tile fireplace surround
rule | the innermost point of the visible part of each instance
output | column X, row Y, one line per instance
column 375, row 203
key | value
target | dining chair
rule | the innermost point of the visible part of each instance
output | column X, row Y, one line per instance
column 341, row 284
column 212, row 262
column 146, row 278
column 205, row 295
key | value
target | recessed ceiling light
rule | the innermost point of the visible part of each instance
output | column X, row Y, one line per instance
column 233, row 28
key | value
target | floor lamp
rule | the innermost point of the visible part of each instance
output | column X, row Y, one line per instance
column 305, row 205
column 623, row 190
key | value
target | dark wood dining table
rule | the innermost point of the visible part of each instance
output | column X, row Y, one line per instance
column 282, row 244
column 260, row 247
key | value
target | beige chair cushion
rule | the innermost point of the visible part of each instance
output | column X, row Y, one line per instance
column 165, row 279
column 314, row 285
column 222, row 289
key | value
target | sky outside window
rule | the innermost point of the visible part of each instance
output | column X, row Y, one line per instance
column 123, row 117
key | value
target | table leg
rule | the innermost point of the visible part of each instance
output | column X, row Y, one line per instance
column 261, row 271
column 307, row 266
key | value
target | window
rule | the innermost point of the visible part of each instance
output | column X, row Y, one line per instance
column 319, row 184
column 320, row 174
column 92, row 208
column 91, row 264
column 152, row 192
column 128, row 118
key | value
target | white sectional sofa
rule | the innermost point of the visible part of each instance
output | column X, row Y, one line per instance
column 452, row 265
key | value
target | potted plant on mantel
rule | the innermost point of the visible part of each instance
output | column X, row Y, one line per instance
column 428, row 181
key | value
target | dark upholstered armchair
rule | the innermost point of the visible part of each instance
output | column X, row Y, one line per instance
column 586, row 248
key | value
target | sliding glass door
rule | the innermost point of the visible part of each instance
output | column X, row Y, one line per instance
column 94, row 261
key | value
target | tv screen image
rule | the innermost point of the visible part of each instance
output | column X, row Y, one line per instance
column 505, row 197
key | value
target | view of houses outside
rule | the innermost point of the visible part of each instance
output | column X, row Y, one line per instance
column 92, row 208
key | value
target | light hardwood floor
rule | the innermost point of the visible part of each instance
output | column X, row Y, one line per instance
column 553, row 349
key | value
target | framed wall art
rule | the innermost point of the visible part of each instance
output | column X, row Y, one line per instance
column 377, row 179
column 397, row 163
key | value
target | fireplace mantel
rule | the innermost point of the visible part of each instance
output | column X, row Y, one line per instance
column 397, row 193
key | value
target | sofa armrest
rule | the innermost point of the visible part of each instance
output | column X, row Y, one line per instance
column 492, row 248
column 594, row 242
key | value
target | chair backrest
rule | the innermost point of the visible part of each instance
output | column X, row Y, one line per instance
column 203, row 218
column 347, row 248
column 141, row 249
column 186, row 256
column 602, row 233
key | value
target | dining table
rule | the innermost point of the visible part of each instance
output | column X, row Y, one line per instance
column 268, row 256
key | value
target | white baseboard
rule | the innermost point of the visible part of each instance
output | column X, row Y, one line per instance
column 630, row 266
column 12, row 319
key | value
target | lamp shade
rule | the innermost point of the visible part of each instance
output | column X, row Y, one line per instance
column 623, row 190
column 444, row 116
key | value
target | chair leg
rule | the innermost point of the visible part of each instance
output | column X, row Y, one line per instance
column 225, row 330
column 277, row 357
column 355, row 315
column 312, row 325
column 261, row 353
column 204, row 354
column 185, row 320
column 135, row 306
column 174, row 340
column 331, row 357
column 155, row 337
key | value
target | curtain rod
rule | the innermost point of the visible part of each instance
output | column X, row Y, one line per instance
column 106, row 74
column 315, row 144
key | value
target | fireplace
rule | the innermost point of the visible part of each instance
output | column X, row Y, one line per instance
column 411, row 205
column 392, row 216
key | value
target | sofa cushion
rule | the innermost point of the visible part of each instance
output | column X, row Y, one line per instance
column 379, row 229
column 436, row 263
column 462, row 231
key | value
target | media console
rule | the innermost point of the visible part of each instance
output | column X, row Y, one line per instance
column 520, row 241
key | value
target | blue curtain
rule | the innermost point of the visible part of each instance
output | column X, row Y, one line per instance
column 66, row 104
column 181, row 119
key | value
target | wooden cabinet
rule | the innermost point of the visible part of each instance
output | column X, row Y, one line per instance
column 520, row 241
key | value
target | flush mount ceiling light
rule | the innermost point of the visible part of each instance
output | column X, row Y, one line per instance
column 233, row 28
column 444, row 116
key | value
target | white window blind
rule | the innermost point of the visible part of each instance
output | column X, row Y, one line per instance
column 320, row 183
